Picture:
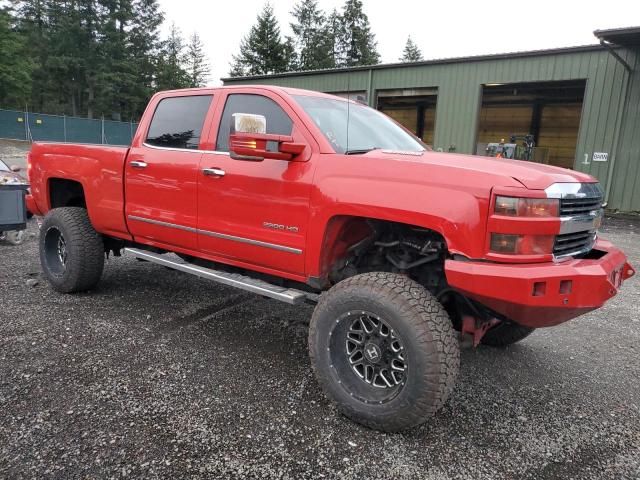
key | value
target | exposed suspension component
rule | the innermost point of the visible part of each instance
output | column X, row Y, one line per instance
column 416, row 252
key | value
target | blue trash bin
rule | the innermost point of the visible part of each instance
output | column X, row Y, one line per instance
column 13, row 207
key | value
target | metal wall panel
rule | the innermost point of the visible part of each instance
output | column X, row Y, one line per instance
column 608, row 124
column 625, row 184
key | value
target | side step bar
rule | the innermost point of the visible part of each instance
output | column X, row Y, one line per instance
column 287, row 295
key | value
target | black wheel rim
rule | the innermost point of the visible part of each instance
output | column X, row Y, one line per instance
column 368, row 357
column 55, row 251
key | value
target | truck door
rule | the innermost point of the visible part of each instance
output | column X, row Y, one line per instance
column 249, row 212
column 161, row 173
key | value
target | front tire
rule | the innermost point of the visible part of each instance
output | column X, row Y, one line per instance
column 71, row 251
column 384, row 350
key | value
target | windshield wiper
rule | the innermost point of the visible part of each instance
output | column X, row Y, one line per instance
column 360, row 151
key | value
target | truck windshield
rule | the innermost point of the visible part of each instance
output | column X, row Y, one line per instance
column 367, row 129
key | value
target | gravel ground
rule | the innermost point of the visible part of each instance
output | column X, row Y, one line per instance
column 13, row 152
column 156, row 374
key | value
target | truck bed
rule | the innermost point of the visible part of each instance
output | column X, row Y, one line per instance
column 99, row 169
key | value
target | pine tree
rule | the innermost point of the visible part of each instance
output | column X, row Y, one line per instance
column 70, row 66
column 357, row 45
column 115, row 73
column 196, row 62
column 144, row 46
column 291, row 58
column 411, row 52
column 31, row 21
column 311, row 36
column 262, row 50
column 15, row 67
column 171, row 72
column 93, row 57
column 87, row 20
column 335, row 34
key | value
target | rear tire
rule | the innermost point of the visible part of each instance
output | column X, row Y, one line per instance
column 71, row 251
column 505, row 334
column 384, row 350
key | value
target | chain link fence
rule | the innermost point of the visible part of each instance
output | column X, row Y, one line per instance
column 34, row 127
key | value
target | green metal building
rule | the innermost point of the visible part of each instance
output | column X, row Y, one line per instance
column 581, row 104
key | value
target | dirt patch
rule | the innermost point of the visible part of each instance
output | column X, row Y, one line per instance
column 13, row 152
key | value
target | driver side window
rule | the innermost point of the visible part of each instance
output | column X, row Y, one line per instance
column 278, row 122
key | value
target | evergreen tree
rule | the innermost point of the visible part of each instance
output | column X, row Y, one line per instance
column 144, row 47
column 357, row 45
column 68, row 75
column 291, row 59
column 262, row 50
column 313, row 38
column 196, row 64
column 334, row 29
column 89, row 28
column 90, row 57
column 15, row 66
column 411, row 52
column 32, row 23
column 115, row 73
column 171, row 72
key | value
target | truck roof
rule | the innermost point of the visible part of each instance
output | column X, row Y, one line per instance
column 274, row 88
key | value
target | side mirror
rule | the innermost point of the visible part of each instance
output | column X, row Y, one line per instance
column 15, row 168
column 248, row 140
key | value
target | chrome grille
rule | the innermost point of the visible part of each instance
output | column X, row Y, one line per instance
column 579, row 206
column 573, row 243
column 580, row 216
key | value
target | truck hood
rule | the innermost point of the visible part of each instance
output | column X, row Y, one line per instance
column 533, row 176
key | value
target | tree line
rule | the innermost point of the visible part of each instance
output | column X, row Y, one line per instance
column 105, row 58
column 92, row 58
column 320, row 40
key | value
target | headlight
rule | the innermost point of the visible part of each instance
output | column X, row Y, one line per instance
column 527, row 207
column 521, row 244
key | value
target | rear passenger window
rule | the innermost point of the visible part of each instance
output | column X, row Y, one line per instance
column 278, row 122
column 177, row 122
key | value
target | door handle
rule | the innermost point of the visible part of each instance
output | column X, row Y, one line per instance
column 213, row 172
column 137, row 164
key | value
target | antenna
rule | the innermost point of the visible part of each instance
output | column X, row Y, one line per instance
column 348, row 104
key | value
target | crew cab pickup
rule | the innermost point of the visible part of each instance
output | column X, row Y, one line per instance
column 306, row 197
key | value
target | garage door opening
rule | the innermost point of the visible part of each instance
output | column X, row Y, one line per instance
column 548, row 112
column 415, row 109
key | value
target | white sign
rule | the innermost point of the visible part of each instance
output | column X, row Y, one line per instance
column 600, row 156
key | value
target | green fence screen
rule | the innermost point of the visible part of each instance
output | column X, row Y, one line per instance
column 36, row 127
column 13, row 125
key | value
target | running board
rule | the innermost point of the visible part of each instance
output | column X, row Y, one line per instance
column 287, row 295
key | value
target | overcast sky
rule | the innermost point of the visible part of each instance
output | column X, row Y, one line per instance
column 441, row 29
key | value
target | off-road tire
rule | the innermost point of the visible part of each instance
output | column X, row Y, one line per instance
column 505, row 334
column 429, row 343
column 83, row 246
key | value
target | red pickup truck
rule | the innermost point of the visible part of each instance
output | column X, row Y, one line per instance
column 307, row 197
